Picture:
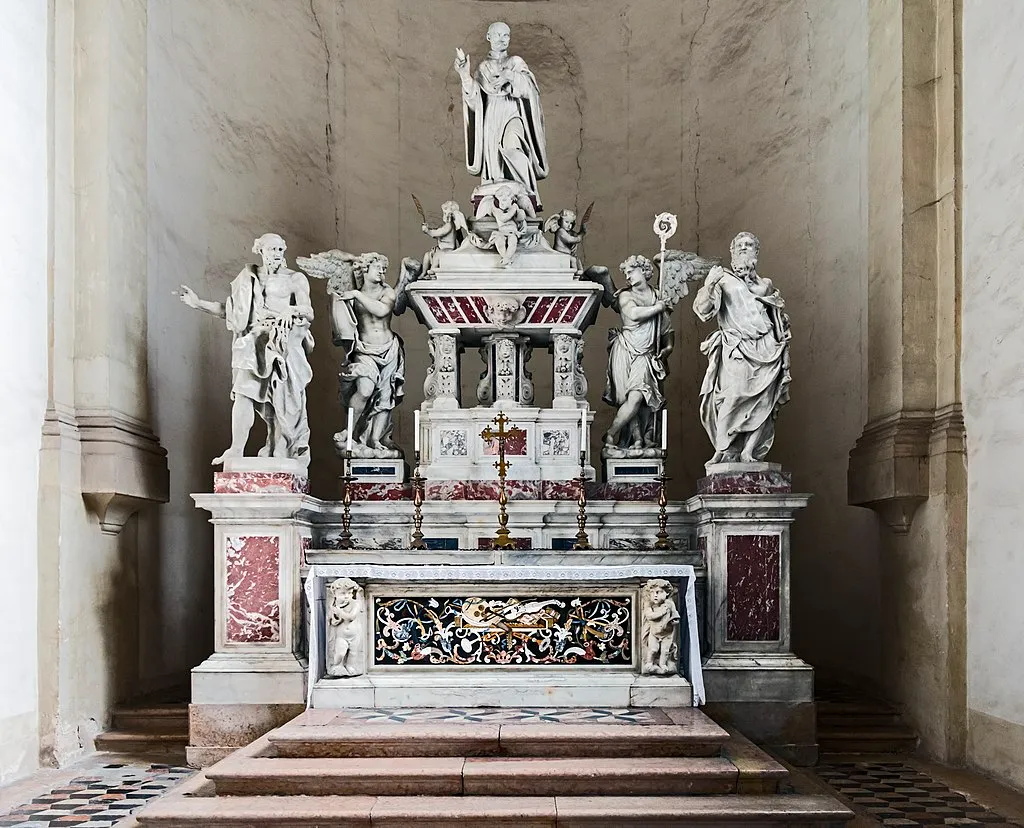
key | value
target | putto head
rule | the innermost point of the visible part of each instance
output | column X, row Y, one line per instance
column 499, row 35
column 744, row 249
column 504, row 196
column 658, row 591
column 374, row 265
column 270, row 247
column 449, row 208
column 637, row 268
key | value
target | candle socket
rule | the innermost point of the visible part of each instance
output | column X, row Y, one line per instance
column 417, row 506
column 663, row 541
column 346, row 502
column 582, row 540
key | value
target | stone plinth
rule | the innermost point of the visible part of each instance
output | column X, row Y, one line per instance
column 752, row 677
column 745, row 478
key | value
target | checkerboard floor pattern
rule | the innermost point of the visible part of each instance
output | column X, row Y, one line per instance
column 521, row 715
column 900, row 796
column 99, row 800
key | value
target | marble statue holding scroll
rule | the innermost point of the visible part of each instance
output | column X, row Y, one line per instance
column 747, row 377
column 372, row 376
column 659, row 628
column 346, row 629
column 269, row 314
column 502, row 115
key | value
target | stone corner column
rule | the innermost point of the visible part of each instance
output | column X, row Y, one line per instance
column 443, row 386
column 255, row 678
column 751, row 676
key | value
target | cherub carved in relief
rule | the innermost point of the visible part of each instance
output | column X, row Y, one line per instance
column 660, row 628
column 346, row 614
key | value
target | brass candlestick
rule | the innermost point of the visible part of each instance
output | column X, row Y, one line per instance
column 417, row 504
column 663, row 541
column 582, row 541
column 502, row 539
column 346, row 501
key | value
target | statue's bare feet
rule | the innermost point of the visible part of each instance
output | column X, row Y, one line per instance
column 719, row 457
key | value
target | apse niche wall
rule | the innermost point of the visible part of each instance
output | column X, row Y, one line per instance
column 318, row 119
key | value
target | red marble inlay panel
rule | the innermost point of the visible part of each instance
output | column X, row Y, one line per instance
column 540, row 310
column 436, row 309
column 752, row 583
column 770, row 482
column 632, row 492
column 573, row 311
column 515, row 444
column 557, row 309
column 528, row 305
column 560, row 490
column 259, row 483
column 468, row 311
column 253, row 588
column 488, row 489
column 448, row 303
column 382, row 491
column 444, row 490
column 480, row 303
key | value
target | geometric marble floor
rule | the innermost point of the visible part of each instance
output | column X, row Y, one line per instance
column 898, row 795
column 519, row 715
column 99, row 798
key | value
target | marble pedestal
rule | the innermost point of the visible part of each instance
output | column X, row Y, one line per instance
column 255, row 678
column 752, row 677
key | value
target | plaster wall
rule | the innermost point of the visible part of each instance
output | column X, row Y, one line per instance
column 318, row 119
column 23, row 237
column 993, row 383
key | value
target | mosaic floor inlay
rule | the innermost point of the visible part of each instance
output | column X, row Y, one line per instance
column 100, row 799
column 896, row 794
column 524, row 715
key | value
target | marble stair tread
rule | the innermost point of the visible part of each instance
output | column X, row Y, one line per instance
column 699, row 737
column 489, row 776
column 522, row 812
column 118, row 741
column 778, row 809
column 375, row 776
column 598, row 777
column 151, row 719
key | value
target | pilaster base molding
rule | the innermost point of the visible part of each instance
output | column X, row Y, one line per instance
column 889, row 466
column 124, row 467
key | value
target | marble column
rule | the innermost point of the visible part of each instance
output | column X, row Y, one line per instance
column 505, row 378
column 443, row 385
column 570, row 383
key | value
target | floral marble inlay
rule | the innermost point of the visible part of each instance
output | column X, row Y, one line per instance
column 453, row 443
column 554, row 443
column 510, row 630
column 253, row 585
column 752, row 581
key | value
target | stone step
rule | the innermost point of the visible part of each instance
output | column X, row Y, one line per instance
column 441, row 776
column 119, row 741
column 151, row 719
column 700, row 737
column 895, row 739
column 828, row 721
column 520, row 812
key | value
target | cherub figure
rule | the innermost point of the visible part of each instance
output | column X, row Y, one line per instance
column 449, row 235
column 660, row 619
column 510, row 218
column 345, row 628
column 566, row 236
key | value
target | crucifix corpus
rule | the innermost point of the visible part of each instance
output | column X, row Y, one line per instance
column 501, row 434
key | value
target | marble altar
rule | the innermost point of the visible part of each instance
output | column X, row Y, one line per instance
column 401, row 593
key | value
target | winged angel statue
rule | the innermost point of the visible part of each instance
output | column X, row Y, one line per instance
column 372, row 376
column 637, row 352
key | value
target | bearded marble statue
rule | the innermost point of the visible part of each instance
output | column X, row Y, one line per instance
column 747, row 378
column 268, row 313
column 503, row 119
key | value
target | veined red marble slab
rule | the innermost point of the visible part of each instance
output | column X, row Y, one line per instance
column 759, row 482
column 253, row 588
column 752, row 583
column 488, row 489
column 250, row 482
column 381, row 491
column 515, row 444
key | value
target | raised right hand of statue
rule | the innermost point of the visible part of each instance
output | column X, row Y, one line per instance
column 715, row 276
column 188, row 296
column 462, row 64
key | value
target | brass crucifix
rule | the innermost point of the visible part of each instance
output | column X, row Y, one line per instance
column 501, row 464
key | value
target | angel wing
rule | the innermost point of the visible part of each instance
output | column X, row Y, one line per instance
column 677, row 269
column 551, row 223
column 333, row 265
column 412, row 269
column 599, row 274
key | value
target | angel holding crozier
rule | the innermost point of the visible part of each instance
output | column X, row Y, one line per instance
column 268, row 312
column 372, row 376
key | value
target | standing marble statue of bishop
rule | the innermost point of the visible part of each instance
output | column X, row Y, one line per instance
column 748, row 356
column 504, row 122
